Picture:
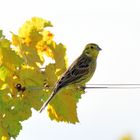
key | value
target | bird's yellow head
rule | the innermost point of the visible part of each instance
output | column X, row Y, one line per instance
column 92, row 50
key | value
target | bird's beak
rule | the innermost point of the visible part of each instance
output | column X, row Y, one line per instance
column 99, row 49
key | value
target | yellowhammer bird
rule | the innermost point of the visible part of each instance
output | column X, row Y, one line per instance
column 80, row 72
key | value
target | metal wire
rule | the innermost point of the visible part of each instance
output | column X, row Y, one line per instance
column 113, row 86
column 117, row 84
column 97, row 86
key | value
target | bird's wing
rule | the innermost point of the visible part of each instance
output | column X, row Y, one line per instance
column 76, row 71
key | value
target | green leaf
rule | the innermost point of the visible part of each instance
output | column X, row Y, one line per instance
column 14, row 128
column 4, row 43
column 60, row 58
column 30, row 56
column 1, row 34
column 4, row 72
column 50, row 74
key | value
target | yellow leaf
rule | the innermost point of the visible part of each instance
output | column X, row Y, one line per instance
column 4, row 138
column 60, row 58
column 43, row 48
column 5, row 43
column 50, row 74
column 126, row 137
column 30, row 29
column 64, row 106
column 30, row 55
column 31, row 77
column 3, row 132
column 16, row 41
column 12, row 61
column 47, row 36
column 43, row 45
column 9, row 61
column 40, row 23
column 58, row 53
column 1, row 33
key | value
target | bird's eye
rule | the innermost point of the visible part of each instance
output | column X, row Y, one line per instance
column 91, row 47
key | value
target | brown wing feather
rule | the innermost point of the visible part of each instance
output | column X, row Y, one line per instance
column 77, row 70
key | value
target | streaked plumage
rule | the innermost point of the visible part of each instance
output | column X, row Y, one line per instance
column 80, row 72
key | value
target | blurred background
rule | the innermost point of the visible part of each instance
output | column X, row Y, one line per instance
column 104, row 114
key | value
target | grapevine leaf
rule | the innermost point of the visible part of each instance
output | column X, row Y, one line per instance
column 1, row 34
column 30, row 55
column 12, row 61
column 5, row 43
column 8, row 64
column 60, row 58
column 63, row 106
column 126, row 137
column 5, row 138
column 50, row 75
column 16, row 40
column 30, row 30
column 31, row 77
column 14, row 129
column 43, row 45
column 3, row 73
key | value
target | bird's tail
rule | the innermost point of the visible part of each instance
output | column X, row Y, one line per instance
column 48, row 101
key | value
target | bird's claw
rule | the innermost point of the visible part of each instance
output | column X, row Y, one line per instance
column 81, row 87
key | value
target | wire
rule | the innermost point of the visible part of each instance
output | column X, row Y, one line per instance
column 104, row 87
column 113, row 86
column 116, row 84
column 96, row 86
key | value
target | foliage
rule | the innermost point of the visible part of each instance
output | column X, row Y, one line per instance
column 127, row 137
column 24, row 84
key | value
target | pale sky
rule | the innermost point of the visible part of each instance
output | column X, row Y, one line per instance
column 115, row 26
